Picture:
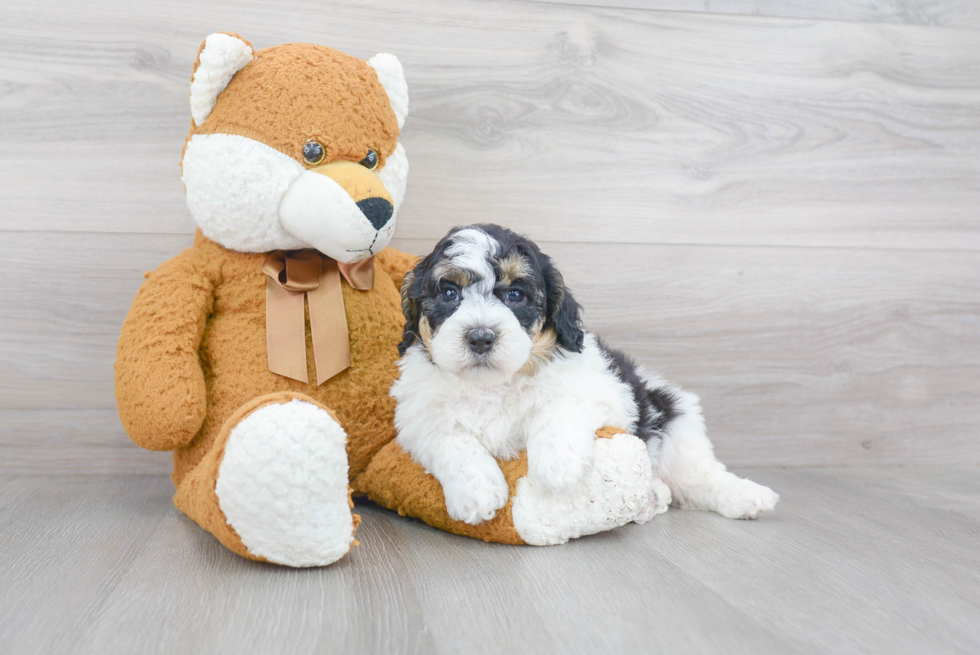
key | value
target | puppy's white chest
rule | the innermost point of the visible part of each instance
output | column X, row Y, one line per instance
column 496, row 416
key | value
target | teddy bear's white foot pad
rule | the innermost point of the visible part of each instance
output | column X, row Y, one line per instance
column 616, row 491
column 282, row 485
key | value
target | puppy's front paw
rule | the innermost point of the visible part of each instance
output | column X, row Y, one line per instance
column 561, row 465
column 475, row 495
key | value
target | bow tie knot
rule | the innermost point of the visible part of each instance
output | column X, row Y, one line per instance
column 291, row 275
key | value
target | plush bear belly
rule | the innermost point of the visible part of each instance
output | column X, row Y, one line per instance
column 234, row 358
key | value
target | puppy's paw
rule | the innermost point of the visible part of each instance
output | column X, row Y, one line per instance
column 560, row 465
column 659, row 501
column 475, row 495
column 746, row 500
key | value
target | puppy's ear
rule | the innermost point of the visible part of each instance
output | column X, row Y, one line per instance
column 411, row 293
column 564, row 314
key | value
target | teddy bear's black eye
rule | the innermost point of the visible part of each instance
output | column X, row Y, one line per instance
column 371, row 161
column 313, row 152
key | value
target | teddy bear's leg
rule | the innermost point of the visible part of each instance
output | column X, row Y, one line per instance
column 620, row 488
column 274, row 485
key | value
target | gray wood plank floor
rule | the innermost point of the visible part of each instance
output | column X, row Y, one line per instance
column 855, row 560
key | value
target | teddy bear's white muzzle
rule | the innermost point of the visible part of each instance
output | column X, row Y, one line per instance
column 317, row 210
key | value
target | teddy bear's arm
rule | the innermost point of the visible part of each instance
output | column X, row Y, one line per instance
column 397, row 263
column 160, row 389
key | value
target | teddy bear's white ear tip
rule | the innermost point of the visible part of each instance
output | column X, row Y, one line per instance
column 222, row 56
column 392, row 78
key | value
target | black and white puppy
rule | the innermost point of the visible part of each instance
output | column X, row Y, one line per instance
column 495, row 360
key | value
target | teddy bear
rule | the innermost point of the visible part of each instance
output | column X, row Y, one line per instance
column 262, row 356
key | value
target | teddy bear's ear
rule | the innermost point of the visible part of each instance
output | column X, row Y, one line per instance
column 392, row 78
column 220, row 57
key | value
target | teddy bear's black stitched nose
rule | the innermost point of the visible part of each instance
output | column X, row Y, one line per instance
column 376, row 210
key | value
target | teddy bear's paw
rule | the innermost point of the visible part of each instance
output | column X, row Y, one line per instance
column 475, row 495
column 659, row 498
column 282, row 485
column 615, row 492
column 744, row 499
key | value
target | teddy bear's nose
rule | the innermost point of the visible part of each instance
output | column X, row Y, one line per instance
column 377, row 210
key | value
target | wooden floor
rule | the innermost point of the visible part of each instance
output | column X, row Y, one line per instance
column 855, row 560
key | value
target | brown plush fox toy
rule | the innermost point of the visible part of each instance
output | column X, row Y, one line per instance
column 262, row 356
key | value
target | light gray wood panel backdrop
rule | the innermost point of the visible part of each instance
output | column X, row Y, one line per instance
column 774, row 203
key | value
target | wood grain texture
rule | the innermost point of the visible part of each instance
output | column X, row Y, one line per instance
column 837, row 356
column 592, row 124
column 67, row 543
column 854, row 560
column 779, row 214
column 961, row 14
column 801, row 356
column 72, row 441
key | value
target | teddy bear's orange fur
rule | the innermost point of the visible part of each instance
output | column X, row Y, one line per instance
column 207, row 305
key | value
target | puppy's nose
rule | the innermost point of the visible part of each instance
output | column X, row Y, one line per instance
column 377, row 210
column 480, row 340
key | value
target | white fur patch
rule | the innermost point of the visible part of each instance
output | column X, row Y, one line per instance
column 615, row 492
column 686, row 462
column 392, row 78
column 471, row 250
column 222, row 57
column 234, row 186
column 282, row 485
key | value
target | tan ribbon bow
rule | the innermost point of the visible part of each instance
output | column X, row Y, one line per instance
column 291, row 274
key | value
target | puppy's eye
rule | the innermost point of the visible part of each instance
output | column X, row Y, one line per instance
column 371, row 161
column 313, row 152
column 515, row 295
column 449, row 295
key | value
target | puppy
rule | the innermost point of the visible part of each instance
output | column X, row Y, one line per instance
column 495, row 360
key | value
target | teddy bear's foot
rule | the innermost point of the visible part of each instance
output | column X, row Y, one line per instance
column 616, row 491
column 274, row 485
column 282, row 484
